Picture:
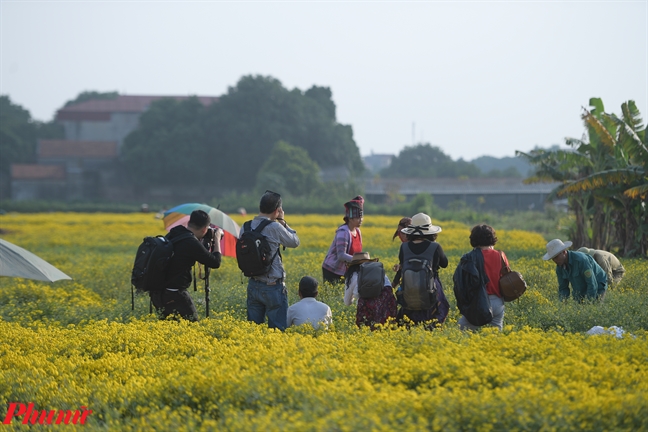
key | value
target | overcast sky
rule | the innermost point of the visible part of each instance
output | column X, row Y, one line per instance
column 474, row 78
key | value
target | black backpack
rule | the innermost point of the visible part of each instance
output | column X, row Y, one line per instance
column 253, row 250
column 417, row 282
column 153, row 255
column 371, row 279
column 151, row 260
column 470, row 289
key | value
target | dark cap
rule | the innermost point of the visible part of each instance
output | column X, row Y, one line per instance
column 308, row 286
column 404, row 223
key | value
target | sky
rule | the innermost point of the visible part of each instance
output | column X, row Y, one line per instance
column 474, row 78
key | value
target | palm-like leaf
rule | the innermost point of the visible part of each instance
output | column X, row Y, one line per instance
column 635, row 146
column 627, row 177
column 637, row 192
column 631, row 115
column 603, row 177
column 598, row 129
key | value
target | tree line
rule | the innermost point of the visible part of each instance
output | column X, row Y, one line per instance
column 230, row 143
column 261, row 135
column 604, row 177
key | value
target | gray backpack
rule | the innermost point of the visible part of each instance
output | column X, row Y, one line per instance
column 419, row 291
column 371, row 279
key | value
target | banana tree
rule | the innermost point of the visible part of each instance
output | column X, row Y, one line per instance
column 626, row 184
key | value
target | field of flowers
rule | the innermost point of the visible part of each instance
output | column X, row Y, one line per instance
column 77, row 343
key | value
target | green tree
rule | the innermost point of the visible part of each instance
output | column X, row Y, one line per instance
column 426, row 161
column 289, row 169
column 245, row 124
column 228, row 142
column 604, row 178
column 91, row 95
column 19, row 134
column 169, row 146
column 621, row 183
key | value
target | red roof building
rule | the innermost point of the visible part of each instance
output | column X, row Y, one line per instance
column 102, row 109
column 56, row 149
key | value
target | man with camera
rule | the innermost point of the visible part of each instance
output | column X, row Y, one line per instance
column 199, row 243
column 266, row 293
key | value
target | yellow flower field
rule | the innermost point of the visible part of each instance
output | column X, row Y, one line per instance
column 78, row 343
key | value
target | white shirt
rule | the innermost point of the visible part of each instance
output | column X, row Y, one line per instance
column 309, row 310
column 351, row 291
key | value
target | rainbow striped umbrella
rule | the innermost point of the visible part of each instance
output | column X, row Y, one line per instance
column 179, row 215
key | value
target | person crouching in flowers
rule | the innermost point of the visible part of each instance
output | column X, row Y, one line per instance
column 308, row 309
column 370, row 311
column 483, row 237
column 421, row 246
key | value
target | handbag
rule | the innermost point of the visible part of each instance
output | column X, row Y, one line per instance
column 511, row 284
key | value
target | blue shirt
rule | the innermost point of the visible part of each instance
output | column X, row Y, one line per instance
column 277, row 236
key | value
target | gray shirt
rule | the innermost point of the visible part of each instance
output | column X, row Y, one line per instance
column 277, row 236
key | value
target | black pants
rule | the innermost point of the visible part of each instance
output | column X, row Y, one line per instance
column 331, row 277
column 174, row 302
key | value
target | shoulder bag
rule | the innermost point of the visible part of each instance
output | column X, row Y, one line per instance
column 511, row 283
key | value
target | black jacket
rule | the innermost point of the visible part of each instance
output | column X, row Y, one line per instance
column 185, row 254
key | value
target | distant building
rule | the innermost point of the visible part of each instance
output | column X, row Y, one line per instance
column 83, row 165
column 376, row 162
column 31, row 181
column 109, row 119
column 479, row 193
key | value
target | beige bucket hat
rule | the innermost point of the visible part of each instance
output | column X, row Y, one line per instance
column 421, row 223
column 554, row 247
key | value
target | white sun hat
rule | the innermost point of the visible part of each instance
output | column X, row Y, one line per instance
column 554, row 247
column 421, row 225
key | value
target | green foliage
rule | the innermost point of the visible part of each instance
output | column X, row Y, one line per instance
column 19, row 134
column 289, row 168
column 228, row 142
column 92, row 95
column 509, row 166
column 246, row 123
column 426, row 161
column 605, row 179
column 169, row 147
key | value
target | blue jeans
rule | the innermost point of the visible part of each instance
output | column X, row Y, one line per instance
column 270, row 300
column 497, row 303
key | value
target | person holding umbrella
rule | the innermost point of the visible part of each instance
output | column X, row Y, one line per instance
column 187, row 249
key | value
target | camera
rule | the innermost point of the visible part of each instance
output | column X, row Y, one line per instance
column 209, row 238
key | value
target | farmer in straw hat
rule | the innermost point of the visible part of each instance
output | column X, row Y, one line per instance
column 587, row 278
